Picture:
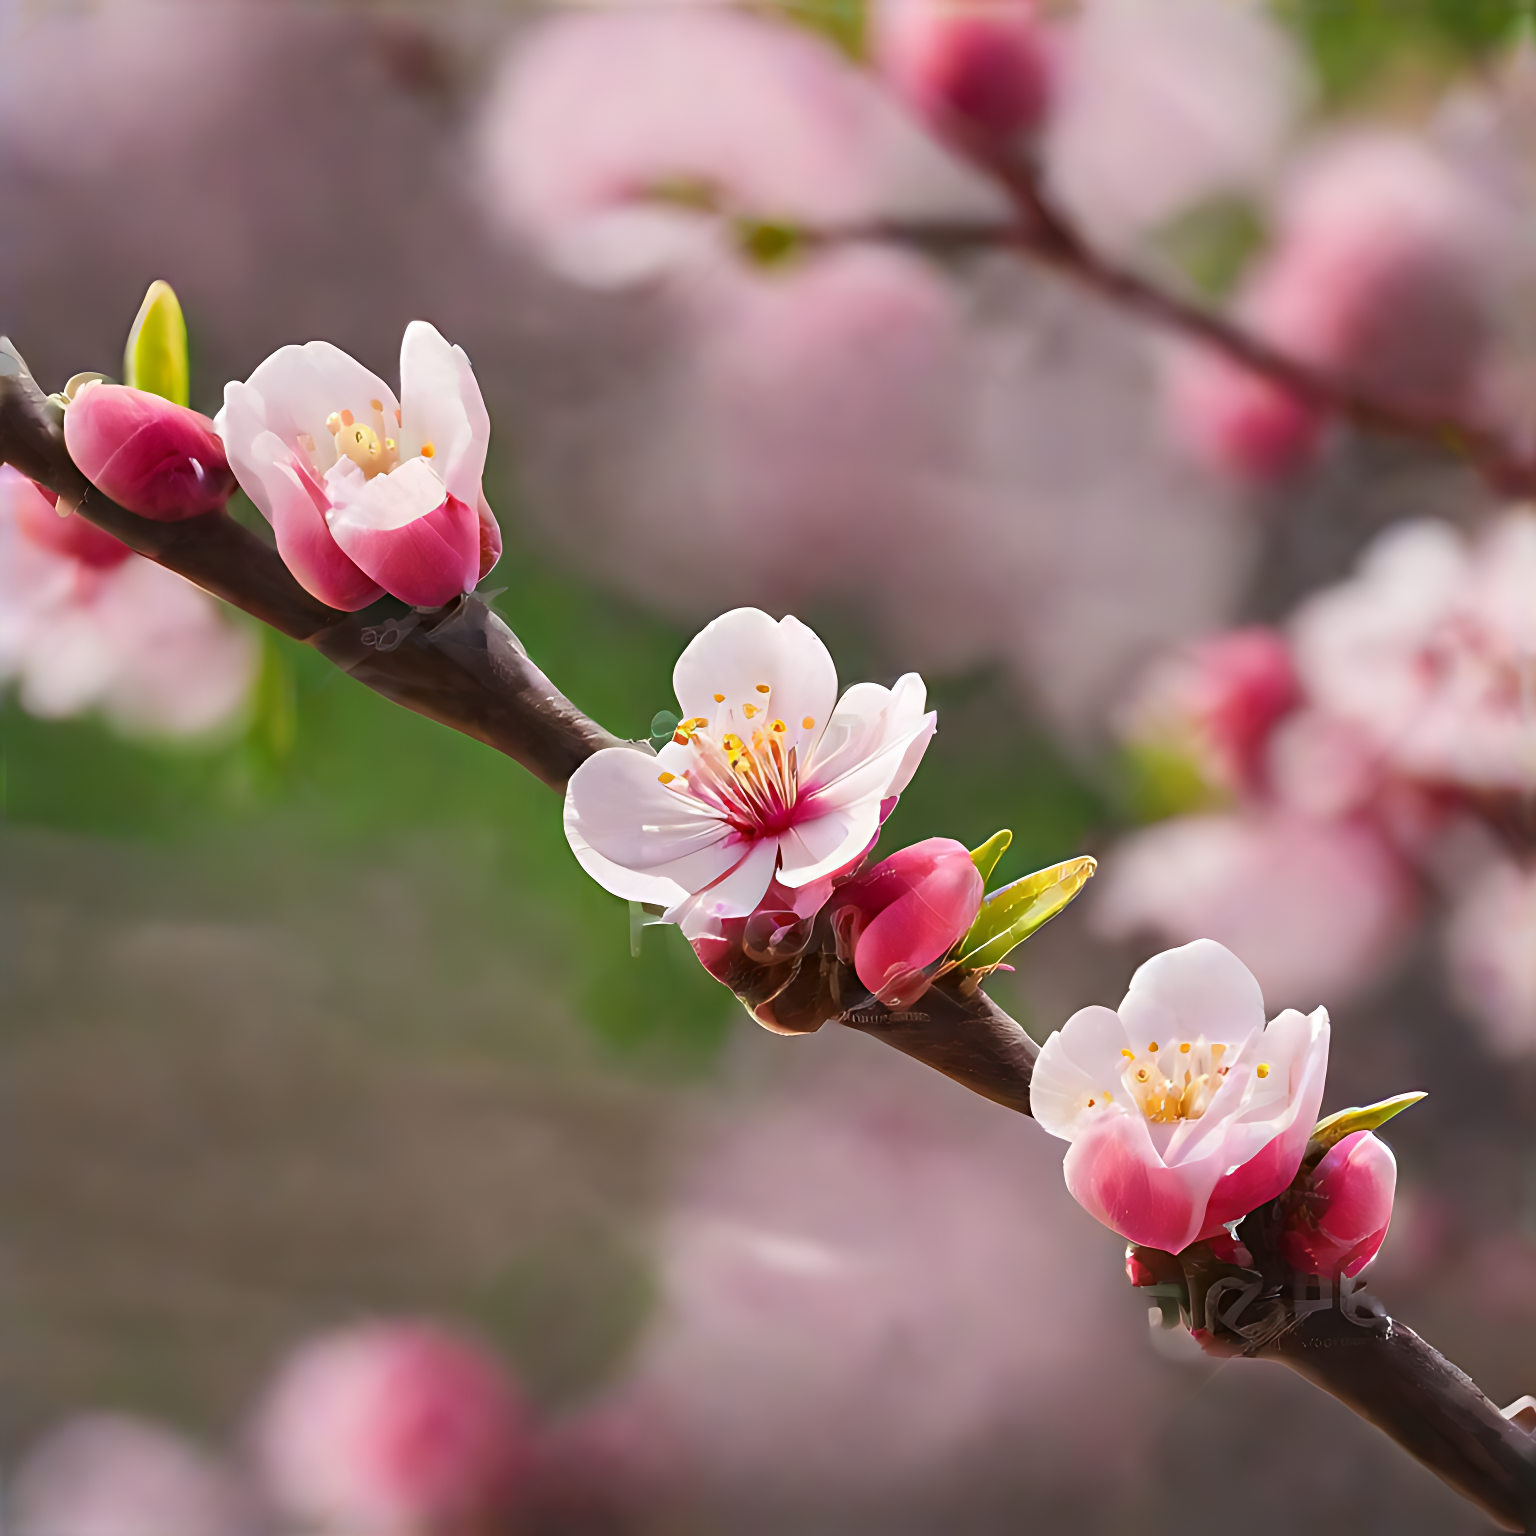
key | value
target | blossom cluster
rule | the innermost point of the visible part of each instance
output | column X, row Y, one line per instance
column 1333, row 774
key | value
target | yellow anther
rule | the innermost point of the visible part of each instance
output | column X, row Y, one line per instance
column 680, row 738
column 1153, row 1047
column 1090, row 1103
column 1129, row 1055
column 1109, row 1098
column 390, row 445
column 333, row 423
column 778, row 725
column 732, row 743
column 1263, row 1069
column 719, row 698
column 377, row 405
column 1184, row 1049
column 361, row 444
column 749, row 710
column 665, row 778
column 807, row 723
column 428, row 451
column 763, row 688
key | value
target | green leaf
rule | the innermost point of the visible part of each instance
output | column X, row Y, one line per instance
column 155, row 359
column 985, row 858
column 1010, row 915
column 1335, row 1128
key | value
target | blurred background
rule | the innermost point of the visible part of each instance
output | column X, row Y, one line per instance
column 314, row 1038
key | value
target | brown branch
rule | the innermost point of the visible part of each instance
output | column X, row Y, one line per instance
column 1041, row 232
column 462, row 667
column 458, row 665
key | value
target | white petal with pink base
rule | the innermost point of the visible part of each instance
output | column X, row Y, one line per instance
column 368, row 494
column 1184, row 1111
column 769, row 773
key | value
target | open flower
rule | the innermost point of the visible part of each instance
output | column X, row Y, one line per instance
column 1184, row 1112
column 368, row 494
column 769, row 775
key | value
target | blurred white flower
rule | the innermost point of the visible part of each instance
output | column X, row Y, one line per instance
column 117, row 633
column 1313, row 908
column 106, row 1474
column 1430, row 650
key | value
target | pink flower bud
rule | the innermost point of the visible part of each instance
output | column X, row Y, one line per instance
column 977, row 66
column 1343, row 1216
column 906, row 913
column 392, row 1429
column 1237, row 423
column 37, row 516
column 160, row 460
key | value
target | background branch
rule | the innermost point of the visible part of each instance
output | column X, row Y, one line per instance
column 1041, row 232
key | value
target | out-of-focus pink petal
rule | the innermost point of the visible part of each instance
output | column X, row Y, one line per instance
column 982, row 68
column 71, row 536
column 391, row 1429
column 151, row 456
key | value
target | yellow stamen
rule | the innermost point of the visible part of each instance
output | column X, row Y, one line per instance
column 763, row 688
column 1184, row 1049
column 428, row 451
column 778, row 725
column 1263, row 1069
column 719, row 698
column 1153, row 1047
column 333, row 423
column 679, row 738
column 749, row 710
column 377, row 405
column 665, row 778
column 807, row 723
column 1129, row 1055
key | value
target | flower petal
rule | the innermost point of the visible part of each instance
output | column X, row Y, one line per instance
column 735, row 894
column 741, row 654
column 419, row 543
column 441, row 404
column 295, row 503
column 1198, row 989
column 1115, row 1174
column 1079, row 1060
column 615, row 806
column 823, row 844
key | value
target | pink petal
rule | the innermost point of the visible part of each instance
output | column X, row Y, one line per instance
column 490, row 538
column 426, row 562
column 298, row 503
column 155, row 458
column 1114, row 1174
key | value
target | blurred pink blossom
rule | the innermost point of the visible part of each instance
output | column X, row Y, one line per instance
column 1491, row 955
column 873, row 1292
column 106, row 1474
column 391, row 1429
column 1315, row 908
column 595, row 115
column 1166, row 103
column 1183, row 1109
column 1218, row 700
column 979, row 67
column 136, row 641
column 1430, row 651
column 1384, row 268
column 1341, row 1217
